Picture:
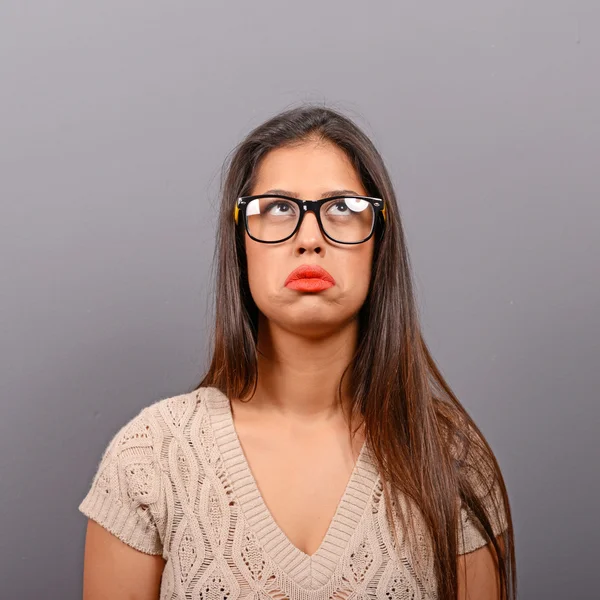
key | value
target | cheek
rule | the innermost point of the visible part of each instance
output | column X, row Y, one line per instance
column 359, row 269
column 262, row 270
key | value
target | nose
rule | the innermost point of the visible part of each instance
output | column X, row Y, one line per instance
column 309, row 235
column 310, row 224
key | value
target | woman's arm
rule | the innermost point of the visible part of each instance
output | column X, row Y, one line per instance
column 112, row 569
column 478, row 574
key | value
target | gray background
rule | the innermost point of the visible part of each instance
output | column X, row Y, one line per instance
column 115, row 118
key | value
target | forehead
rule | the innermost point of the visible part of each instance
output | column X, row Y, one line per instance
column 308, row 170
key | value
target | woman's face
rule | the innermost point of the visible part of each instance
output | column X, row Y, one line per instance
column 308, row 171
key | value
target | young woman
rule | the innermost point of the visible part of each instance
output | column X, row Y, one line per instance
column 323, row 455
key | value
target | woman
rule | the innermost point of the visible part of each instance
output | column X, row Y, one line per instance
column 322, row 455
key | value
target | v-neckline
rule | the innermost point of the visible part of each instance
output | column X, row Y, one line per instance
column 306, row 569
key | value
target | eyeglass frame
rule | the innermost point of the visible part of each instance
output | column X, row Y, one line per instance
column 305, row 206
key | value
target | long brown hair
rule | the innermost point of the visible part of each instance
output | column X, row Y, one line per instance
column 428, row 449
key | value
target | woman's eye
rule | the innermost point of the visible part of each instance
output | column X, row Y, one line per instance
column 281, row 206
column 355, row 205
column 338, row 207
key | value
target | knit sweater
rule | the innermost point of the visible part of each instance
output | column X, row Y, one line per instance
column 174, row 481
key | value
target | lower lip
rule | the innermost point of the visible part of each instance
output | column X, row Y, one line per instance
column 309, row 285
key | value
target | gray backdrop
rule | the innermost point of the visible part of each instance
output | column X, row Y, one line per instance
column 115, row 117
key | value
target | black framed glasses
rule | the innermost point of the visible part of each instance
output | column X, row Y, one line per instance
column 271, row 218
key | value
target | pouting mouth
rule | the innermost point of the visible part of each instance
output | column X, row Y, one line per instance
column 309, row 272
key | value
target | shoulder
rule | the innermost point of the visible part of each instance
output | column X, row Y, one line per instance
column 145, row 436
column 170, row 416
column 474, row 457
column 181, row 428
column 172, row 431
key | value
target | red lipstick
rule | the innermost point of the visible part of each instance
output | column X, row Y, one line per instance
column 309, row 278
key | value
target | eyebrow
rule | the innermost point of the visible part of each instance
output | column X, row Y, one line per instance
column 324, row 195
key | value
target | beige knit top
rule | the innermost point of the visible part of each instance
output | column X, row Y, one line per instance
column 175, row 481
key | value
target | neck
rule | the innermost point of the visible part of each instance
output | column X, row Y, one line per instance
column 298, row 377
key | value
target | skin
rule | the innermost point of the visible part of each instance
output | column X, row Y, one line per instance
column 478, row 574
column 293, row 431
column 112, row 569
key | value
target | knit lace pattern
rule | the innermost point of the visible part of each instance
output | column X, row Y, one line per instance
column 174, row 481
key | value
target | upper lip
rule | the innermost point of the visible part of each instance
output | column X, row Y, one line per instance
column 309, row 272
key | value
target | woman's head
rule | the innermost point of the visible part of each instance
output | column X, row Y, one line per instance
column 307, row 151
column 413, row 421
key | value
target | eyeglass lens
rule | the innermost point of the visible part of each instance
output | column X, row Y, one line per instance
column 344, row 219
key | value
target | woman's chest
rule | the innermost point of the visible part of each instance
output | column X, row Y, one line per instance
column 220, row 543
column 242, row 568
column 302, row 482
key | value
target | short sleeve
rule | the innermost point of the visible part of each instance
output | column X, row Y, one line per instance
column 470, row 537
column 482, row 475
column 125, row 492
